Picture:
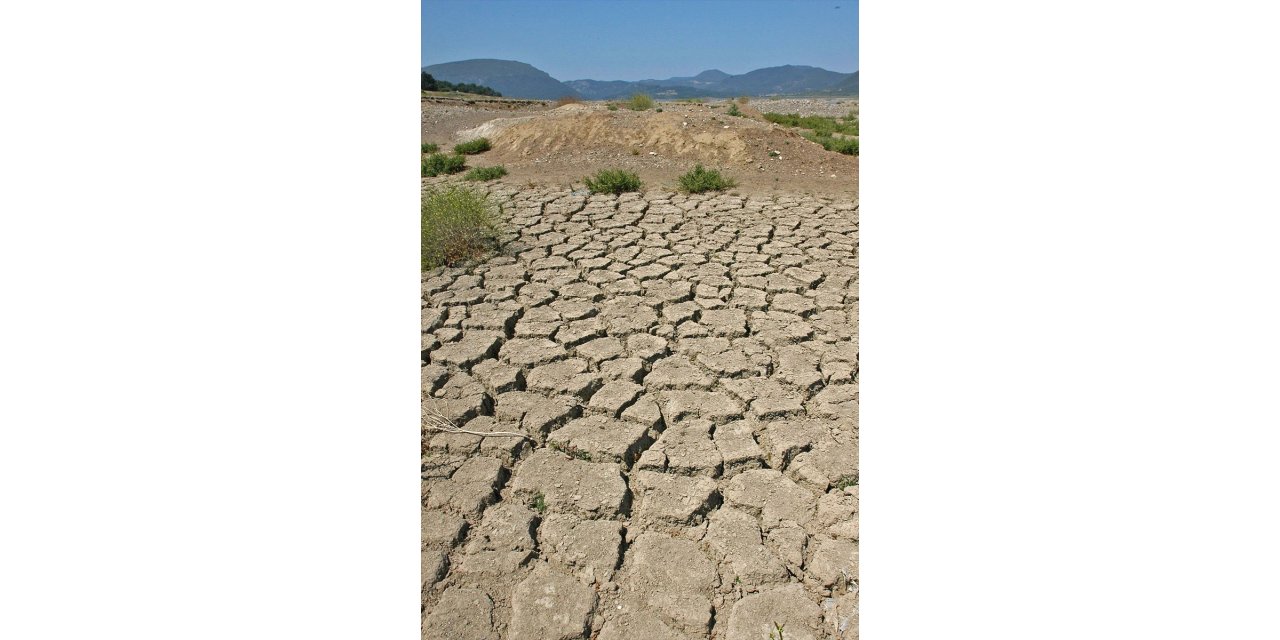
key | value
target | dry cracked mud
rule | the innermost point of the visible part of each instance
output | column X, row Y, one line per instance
column 685, row 369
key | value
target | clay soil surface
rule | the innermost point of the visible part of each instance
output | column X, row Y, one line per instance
column 543, row 144
column 658, row 390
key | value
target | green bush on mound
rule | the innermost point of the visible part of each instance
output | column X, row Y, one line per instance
column 479, row 145
column 484, row 174
column 612, row 107
column 428, row 147
column 438, row 164
column 640, row 102
column 458, row 224
column 701, row 179
column 613, row 181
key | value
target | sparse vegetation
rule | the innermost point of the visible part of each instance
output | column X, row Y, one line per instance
column 821, row 125
column 776, row 634
column 702, row 179
column 563, row 100
column 774, row 154
column 659, row 109
column 438, row 164
column 635, row 152
column 846, row 481
column 614, row 181
column 539, row 503
column 479, row 145
column 612, row 107
column 484, row 174
column 640, row 102
column 847, row 146
column 458, row 224
column 733, row 110
column 429, row 147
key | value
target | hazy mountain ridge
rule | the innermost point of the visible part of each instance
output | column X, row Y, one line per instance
column 521, row 80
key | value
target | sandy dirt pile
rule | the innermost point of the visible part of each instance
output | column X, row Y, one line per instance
column 562, row 145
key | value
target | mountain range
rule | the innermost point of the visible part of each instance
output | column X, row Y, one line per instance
column 520, row 80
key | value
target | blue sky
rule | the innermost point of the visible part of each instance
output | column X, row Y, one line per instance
column 639, row 39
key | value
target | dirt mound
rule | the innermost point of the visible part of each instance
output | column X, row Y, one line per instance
column 700, row 136
column 562, row 144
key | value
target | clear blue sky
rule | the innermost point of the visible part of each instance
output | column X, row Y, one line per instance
column 639, row 39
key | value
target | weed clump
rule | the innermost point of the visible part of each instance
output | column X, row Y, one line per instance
column 429, row 147
column 538, row 503
column 479, row 145
column 733, row 110
column 821, row 125
column 458, row 224
column 484, row 174
column 613, row 107
column 438, row 164
column 640, row 102
column 847, row 146
column 701, row 179
column 613, row 181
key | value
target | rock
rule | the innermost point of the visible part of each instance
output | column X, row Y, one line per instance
column 461, row 613
column 664, row 497
column 600, row 438
column 472, row 348
column 738, row 449
column 755, row 616
column 551, row 605
column 776, row 498
column 469, row 489
column 592, row 546
column 833, row 562
column 673, row 579
column 530, row 352
column 566, row 485
column 614, row 396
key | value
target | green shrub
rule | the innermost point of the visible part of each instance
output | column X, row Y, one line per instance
column 438, row 164
column 640, row 102
column 659, row 109
column 479, row 145
column 484, row 174
column 733, row 110
column 701, row 179
column 613, row 181
column 820, row 125
column 847, row 146
column 613, row 107
column 457, row 225
column 428, row 147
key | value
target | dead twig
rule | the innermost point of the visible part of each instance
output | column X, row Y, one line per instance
column 435, row 421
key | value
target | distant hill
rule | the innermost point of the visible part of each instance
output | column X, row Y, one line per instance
column 784, row 80
column 520, row 80
column 508, row 77
column 846, row 87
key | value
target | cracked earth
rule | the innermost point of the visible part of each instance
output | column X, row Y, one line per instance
column 685, row 369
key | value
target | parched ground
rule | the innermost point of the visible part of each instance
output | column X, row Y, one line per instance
column 685, row 369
